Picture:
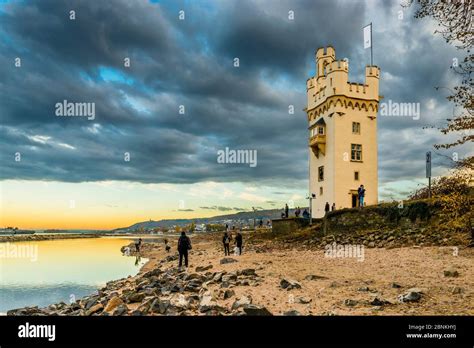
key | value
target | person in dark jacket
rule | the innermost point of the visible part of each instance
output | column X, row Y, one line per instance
column 226, row 242
column 361, row 195
column 138, row 245
column 326, row 208
column 286, row 211
column 238, row 242
column 306, row 214
column 184, row 245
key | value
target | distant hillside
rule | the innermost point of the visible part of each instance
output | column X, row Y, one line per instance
column 241, row 216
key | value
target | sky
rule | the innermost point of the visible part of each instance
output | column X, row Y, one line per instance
column 150, row 151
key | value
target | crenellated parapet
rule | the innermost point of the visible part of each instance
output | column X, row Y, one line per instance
column 331, row 79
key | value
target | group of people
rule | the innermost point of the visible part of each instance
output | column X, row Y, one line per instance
column 285, row 213
column 328, row 208
column 184, row 245
column 227, row 239
column 360, row 199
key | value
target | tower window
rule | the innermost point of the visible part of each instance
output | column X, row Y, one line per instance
column 321, row 191
column 356, row 176
column 355, row 127
column 356, row 152
column 321, row 130
column 321, row 173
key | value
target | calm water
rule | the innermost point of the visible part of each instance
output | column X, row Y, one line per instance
column 64, row 269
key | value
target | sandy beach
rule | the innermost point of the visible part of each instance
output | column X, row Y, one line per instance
column 340, row 286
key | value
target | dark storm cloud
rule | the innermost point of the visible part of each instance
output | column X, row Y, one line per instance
column 190, row 63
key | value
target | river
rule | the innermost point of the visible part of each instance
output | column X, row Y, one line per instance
column 39, row 273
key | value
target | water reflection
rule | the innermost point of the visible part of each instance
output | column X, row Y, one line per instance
column 63, row 268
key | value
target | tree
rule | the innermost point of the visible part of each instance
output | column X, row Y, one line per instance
column 455, row 24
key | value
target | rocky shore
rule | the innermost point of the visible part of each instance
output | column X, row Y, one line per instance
column 165, row 290
column 279, row 278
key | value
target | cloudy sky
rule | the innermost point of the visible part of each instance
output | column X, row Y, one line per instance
column 150, row 152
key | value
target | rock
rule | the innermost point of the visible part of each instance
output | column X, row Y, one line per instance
column 248, row 272
column 244, row 300
column 24, row 311
column 226, row 260
column 244, row 282
column 378, row 302
column 292, row 313
column 289, row 284
column 136, row 297
column 314, row 277
column 90, row 302
column 159, row 306
column 451, row 273
column 113, row 303
column 121, row 310
column 228, row 294
column 364, row 288
column 193, row 286
column 350, row 303
column 95, row 309
column 229, row 277
column 303, row 300
column 254, row 310
column 396, row 286
column 155, row 272
column 412, row 295
column 203, row 268
column 207, row 303
column 180, row 303
column 456, row 290
column 170, row 258
column 225, row 285
column 218, row 276
column 137, row 313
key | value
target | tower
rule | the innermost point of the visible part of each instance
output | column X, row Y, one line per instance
column 342, row 118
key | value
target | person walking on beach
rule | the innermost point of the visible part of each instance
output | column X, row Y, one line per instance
column 286, row 211
column 238, row 242
column 333, row 207
column 184, row 245
column 138, row 245
column 226, row 242
column 167, row 247
column 361, row 194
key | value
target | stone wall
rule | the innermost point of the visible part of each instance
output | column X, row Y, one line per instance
column 423, row 222
column 288, row 225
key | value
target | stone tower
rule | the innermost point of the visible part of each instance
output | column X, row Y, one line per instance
column 342, row 118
